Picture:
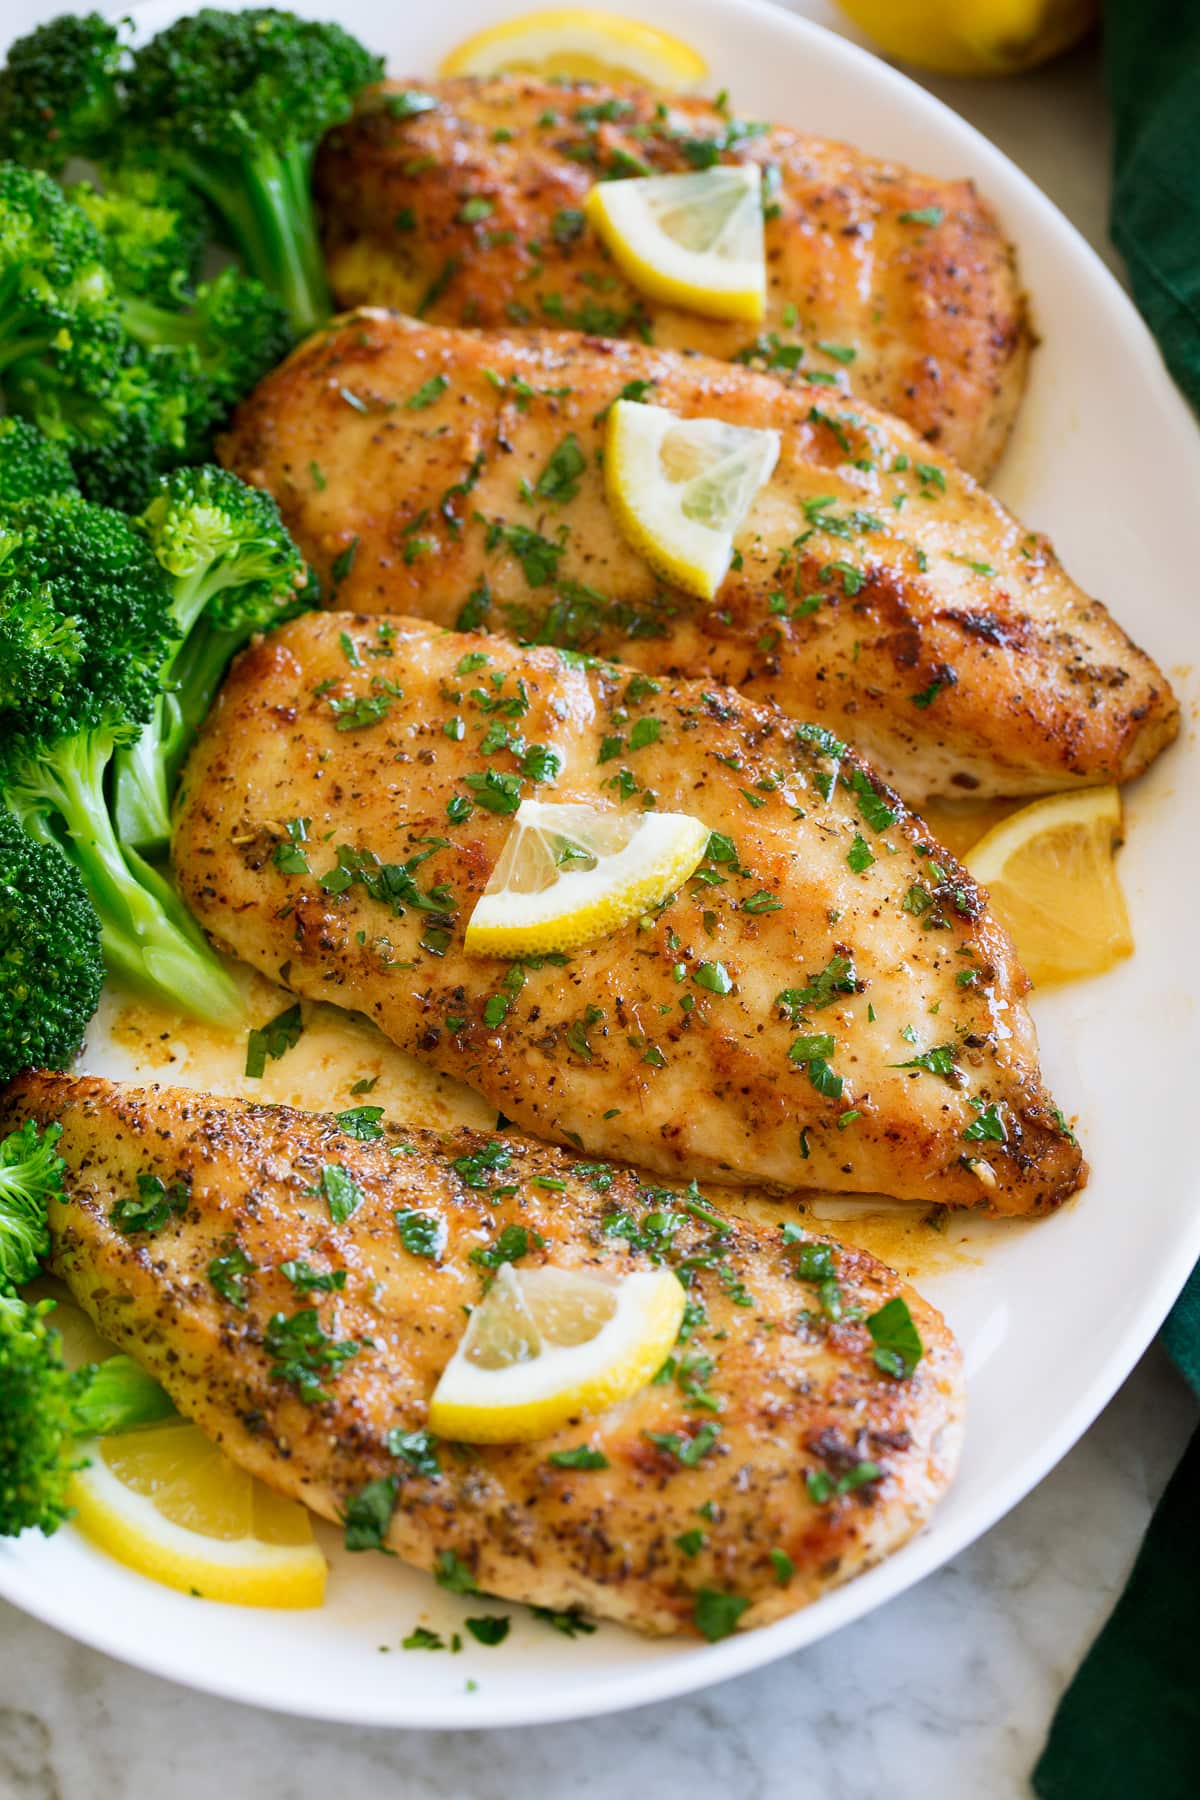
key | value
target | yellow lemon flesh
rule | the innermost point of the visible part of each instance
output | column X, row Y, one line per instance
column 680, row 489
column 1052, row 878
column 974, row 37
column 582, row 44
column 167, row 1502
column 691, row 240
column 547, row 1345
column 572, row 873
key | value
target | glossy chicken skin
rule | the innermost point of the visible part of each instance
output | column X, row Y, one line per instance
column 353, row 790
column 878, row 592
column 795, row 1395
column 470, row 215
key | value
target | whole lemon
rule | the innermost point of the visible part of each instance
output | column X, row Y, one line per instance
column 974, row 37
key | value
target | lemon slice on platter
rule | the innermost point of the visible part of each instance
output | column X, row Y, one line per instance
column 570, row 873
column 548, row 1345
column 1051, row 873
column 681, row 488
column 582, row 44
column 167, row 1502
column 694, row 241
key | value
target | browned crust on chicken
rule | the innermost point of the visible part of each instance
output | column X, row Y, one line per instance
column 910, row 274
column 344, row 745
column 795, row 1393
column 878, row 592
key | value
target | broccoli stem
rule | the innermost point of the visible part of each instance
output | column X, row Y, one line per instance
column 146, row 933
column 266, row 201
column 115, row 1395
column 146, row 772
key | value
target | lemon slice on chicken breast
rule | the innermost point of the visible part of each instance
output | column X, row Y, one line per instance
column 691, row 240
column 548, row 1345
column 582, row 44
column 571, row 873
column 681, row 488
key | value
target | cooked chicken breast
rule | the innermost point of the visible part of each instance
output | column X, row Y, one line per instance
column 817, row 1456
column 884, row 595
column 469, row 214
column 827, row 1004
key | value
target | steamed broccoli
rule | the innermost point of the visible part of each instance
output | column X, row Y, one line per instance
column 66, row 362
column 233, row 330
column 237, row 102
column 59, row 91
column 153, row 226
column 232, row 570
column 45, row 1407
column 30, row 465
column 95, row 688
column 51, row 968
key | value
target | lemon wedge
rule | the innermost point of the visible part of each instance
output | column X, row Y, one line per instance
column 582, row 44
column 1050, row 871
column 680, row 488
column 548, row 1345
column 570, row 873
column 691, row 240
column 167, row 1502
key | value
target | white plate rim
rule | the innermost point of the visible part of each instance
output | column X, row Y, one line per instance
column 645, row 1684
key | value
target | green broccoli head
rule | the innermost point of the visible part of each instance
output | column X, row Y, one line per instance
column 224, row 549
column 51, row 968
column 232, row 570
column 154, row 227
column 55, row 290
column 91, row 567
column 58, row 736
column 227, row 335
column 30, row 465
column 31, row 1172
column 237, row 102
column 45, row 1408
column 60, row 90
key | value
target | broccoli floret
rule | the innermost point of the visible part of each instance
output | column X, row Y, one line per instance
column 234, row 330
column 153, row 226
column 51, row 968
column 59, row 734
column 66, row 362
column 232, row 570
column 30, row 465
column 59, row 91
column 237, row 102
column 31, row 1173
column 45, row 1408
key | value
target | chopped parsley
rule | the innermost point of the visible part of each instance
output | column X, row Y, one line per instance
column 274, row 1039
column 228, row 1276
column 154, row 1205
column 303, row 1356
column 898, row 1347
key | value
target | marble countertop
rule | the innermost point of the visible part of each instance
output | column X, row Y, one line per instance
column 947, row 1690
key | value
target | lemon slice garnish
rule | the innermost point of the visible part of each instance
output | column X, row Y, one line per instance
column 1051, row 873
column 570, row 873
column 681, row 488
column 583, row 45
column 548, row 1345
column 691, row 240
column 167, row 1502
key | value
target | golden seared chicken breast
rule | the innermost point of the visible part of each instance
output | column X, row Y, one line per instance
column 782, row 1451
column 873, row 590
column 826, row 1003
column 469, row 212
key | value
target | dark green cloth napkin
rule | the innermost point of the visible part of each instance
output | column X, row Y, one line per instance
column 1152, row 72
column 1128, row 1727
